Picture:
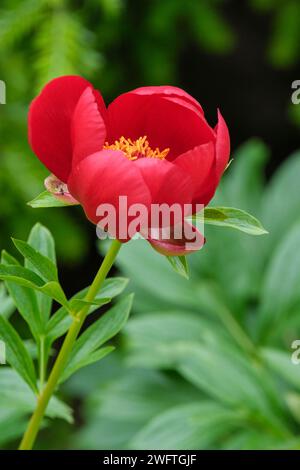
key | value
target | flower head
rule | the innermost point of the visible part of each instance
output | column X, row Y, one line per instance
column 152, row 145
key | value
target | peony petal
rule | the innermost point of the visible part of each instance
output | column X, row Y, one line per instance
column 88, row 127
column 168, row 185
column 191, row 241
column 166, row 123
column 199, row 163
column 101, row 178
column 222, row 145
column 172, row 93
column 49, row 123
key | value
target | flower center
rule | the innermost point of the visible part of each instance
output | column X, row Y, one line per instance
column 135, row 149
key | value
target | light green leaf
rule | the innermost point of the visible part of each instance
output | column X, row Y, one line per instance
column 42, row 264
column 105, row 328
column 280, row 289
column 230, row 217
column 281, row 202
column 77, row 304
column 61, row 320
column 281, row 363
column 192, row 426
column 42, row 241
column 16, row 395
column 46, row 199
column 93, row 357
column 180, row 265
column 7, row 306
column 26, row 278
column 24, row 299
column 17, row 355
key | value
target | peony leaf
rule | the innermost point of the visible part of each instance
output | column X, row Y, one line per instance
column 42, row 264
column 180, row 265
column 17, row 354
column 230, row 217
column 46, row 199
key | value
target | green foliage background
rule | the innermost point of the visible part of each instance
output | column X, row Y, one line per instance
column 204, row 363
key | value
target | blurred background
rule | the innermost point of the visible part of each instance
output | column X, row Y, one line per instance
column 204, row 363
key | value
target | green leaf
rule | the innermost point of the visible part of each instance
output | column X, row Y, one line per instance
column 24, row 299
column 46, row 199
column 280, row 290
column 230, row 217
column 16, row 395
column 281, row 363
column 244, row 182
column 17, row 354
column 192, row 426
column 61, row 320
column 105, row 328
column 26, row 278
column 77, row 304
column 42, row 241
column 42, row 264
column 276, row 213
column 93, row 357
column 7, row 306
column 180, row 265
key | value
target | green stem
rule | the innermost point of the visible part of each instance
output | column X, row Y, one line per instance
column 62, row 358
column 42, row 360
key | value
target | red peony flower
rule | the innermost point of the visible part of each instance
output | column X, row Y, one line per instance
column 152, row 145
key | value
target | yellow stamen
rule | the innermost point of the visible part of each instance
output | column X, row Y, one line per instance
column 134, row 149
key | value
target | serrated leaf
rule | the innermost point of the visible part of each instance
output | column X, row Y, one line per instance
column 91, row 359
column 42, row 264
column 230, row 217
column 17, row 355
column 180, row 265
column 105, row 328
column 46, row 199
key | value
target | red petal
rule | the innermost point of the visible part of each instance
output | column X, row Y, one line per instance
column 88, row 127
column 222, row 145
column 166, row 123
column 167, row 184
column 191, row 242
column 49, row 123
column 172, row 93
column 104, row 176
column 199, row 163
